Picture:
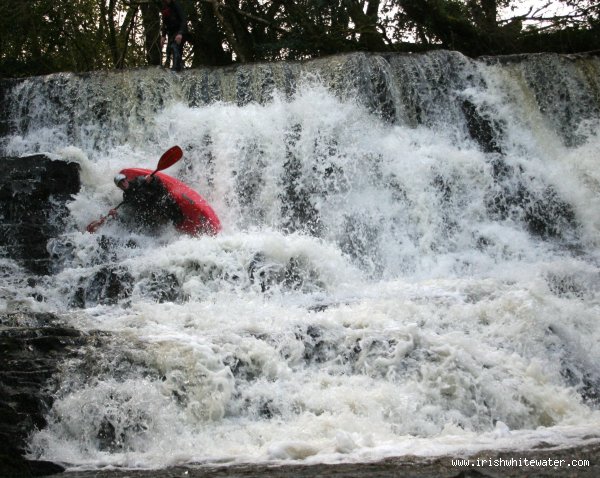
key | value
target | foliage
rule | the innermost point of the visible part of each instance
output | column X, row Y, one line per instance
column 43, row 36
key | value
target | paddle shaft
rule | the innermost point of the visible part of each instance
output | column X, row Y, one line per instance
column 168, row 159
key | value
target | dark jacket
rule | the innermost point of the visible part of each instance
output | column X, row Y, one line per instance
column 149, row 205
column 174, row 20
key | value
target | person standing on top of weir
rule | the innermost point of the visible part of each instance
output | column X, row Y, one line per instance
column 174, row 32
column 146, row 202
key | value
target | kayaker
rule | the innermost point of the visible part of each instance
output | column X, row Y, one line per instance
column 146, row 203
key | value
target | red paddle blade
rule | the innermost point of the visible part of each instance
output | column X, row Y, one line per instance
column 169, row 158
column 94, row 225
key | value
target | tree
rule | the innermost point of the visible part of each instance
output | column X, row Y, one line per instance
column 117, row 35
column 151, row 31
column 475, row 27
column 43, row 36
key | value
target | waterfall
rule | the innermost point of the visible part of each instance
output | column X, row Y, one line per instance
column 408, row 263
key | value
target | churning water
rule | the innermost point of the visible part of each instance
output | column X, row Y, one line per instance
column 409, row 260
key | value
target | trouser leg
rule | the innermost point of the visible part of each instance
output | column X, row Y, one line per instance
column 177, row 55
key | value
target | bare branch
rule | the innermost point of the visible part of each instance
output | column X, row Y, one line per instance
column 217, row 4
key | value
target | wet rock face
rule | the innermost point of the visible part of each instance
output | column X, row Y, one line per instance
column 34, row 191
column 32, row 347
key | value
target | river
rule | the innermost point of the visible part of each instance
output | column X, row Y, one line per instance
column 408, row 264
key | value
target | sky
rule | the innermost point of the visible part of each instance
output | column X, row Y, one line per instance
column 554, row 8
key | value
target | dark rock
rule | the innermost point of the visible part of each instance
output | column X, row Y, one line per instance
column 297, row 208
column 548, row 215
column 32, row 347
column 4, row 116
column 34, row 191
column 483, row 130
column 108, row 285
column 14, row 466
column 316, row 348
column 544, row 212
column 163, row 286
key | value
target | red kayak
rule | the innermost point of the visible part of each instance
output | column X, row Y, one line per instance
column 199, row 216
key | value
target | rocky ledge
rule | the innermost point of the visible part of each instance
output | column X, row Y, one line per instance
column 32, row 348
column 34, row 191
column 550, row 461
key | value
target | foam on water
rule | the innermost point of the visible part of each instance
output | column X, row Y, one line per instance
column 380, row 287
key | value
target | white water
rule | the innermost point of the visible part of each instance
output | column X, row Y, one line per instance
column 413, row 320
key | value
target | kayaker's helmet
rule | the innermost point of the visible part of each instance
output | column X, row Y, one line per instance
column 119, row 177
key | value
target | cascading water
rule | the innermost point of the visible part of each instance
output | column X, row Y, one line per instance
column 409, row 261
